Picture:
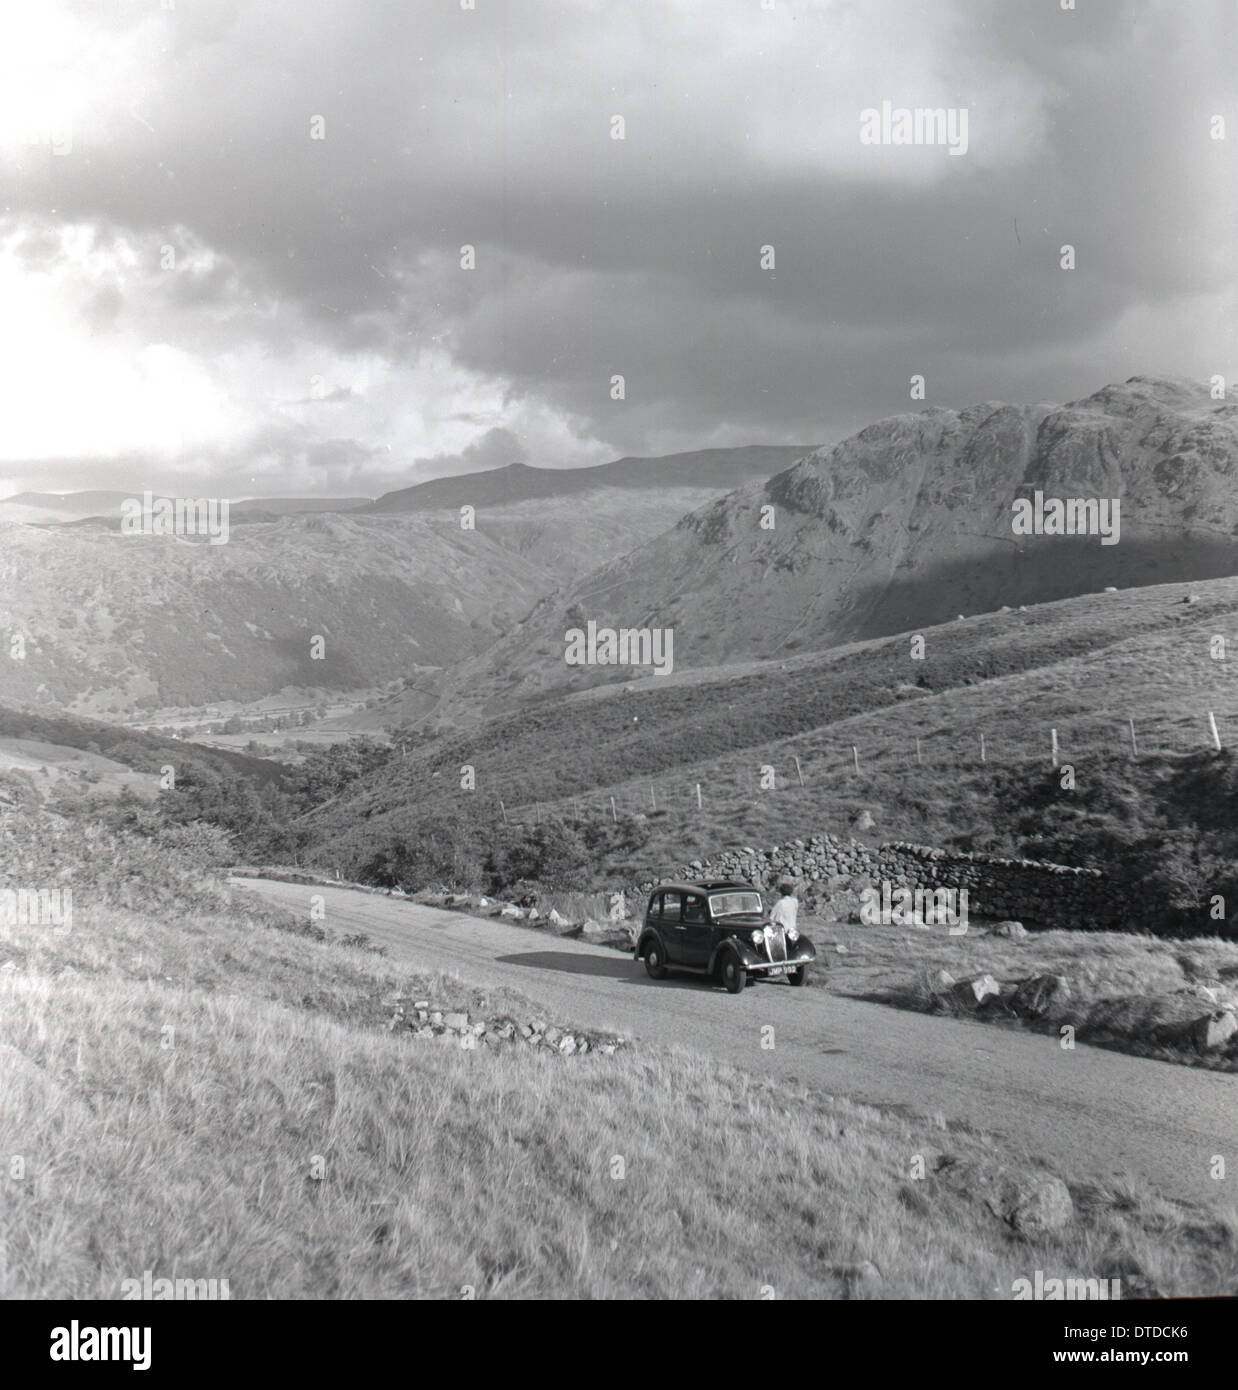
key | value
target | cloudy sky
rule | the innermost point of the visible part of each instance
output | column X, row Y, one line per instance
column 195, row 292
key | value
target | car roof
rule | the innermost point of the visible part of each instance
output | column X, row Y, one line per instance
column 706, row 885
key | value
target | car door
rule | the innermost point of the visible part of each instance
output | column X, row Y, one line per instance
column 670, row 926
column 698, row 931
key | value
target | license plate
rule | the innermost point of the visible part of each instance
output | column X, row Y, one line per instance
column 777, row 970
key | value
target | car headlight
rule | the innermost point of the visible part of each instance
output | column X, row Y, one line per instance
column 792, row 934
column 757, row 938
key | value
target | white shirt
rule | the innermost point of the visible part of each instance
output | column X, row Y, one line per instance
column 784, row 913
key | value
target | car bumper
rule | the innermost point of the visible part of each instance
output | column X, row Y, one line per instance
column 757, row 962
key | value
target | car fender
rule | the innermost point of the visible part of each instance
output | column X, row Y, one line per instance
column 747, row 956
column 647, row 935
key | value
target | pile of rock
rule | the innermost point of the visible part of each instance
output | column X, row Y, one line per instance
column 457, row 1028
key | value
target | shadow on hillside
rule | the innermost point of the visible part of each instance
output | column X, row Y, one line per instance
column 1037, row 569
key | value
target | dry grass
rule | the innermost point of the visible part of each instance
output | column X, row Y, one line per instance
column 1126, row 988
column 173, row 1069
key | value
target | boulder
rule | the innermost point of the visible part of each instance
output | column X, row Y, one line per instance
column 1031, row 1203
column 976, row 990
column 1013, row 931
column 1035, row 996
column 859, row 1280
column 455, row 1021
column 1214, row 1030
column 1042, row 1204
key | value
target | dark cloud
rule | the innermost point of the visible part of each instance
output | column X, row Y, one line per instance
column 491, row 128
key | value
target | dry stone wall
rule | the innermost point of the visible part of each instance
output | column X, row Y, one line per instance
column 1039, row 894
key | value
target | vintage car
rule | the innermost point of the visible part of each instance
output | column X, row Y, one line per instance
column 719, row 928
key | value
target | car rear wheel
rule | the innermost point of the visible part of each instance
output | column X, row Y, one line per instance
column 798, row 975
column 654, row 963
column 734, row 976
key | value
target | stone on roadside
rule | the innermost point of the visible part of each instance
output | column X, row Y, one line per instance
column 859, row 1280
column 977, row 989
column 1035, row 996
column 1214, row 1030
column 1013, row 931
column 456, row 1021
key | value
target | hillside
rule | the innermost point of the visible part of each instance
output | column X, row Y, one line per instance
column 573, row 519
column 117, row 624
column 907, row 523
column 1084, row 666
column 717, row 470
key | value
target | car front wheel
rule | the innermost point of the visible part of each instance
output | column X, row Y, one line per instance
column 798, row 975
column 654, row 963
column 734, row 976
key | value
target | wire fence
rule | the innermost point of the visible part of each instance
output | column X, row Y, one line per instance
column 848, row 769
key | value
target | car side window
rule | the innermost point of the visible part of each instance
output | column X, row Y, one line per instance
column 694, row 909
column 655, row 907
column 671, row 903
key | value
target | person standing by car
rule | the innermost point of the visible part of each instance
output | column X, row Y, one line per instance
column 785, row 911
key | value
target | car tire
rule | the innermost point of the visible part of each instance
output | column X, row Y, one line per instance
column 654, row 964
column 734, row 976
column 798, row 975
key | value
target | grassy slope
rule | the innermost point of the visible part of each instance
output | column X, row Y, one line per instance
column 1082, row 665
column 443, row 1168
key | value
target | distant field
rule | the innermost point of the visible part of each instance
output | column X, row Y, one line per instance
column 90, row 773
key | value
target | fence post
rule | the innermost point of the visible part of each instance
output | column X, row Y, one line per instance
column 919, row 759
column 1216, row 736
column 653, row 800
column 1134, row 745
column 698, row 796
column 855, row 758
column 613, row 816
column 983, row 759
column 503, row 809
column 798, row 772
column 1053, row 736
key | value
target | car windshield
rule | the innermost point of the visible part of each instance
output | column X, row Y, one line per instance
column 731, row 904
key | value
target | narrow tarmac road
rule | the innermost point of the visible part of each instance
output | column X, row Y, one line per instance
column 1093, row 1114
